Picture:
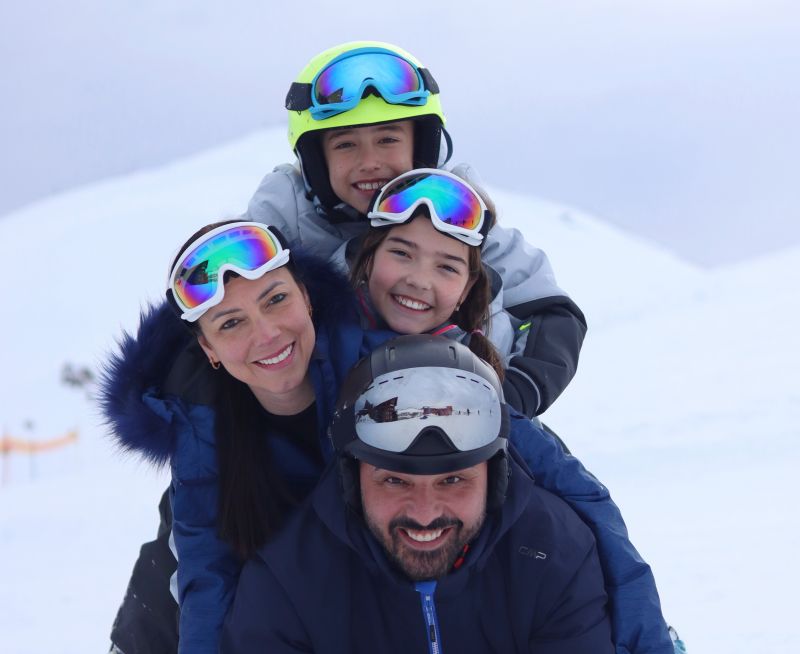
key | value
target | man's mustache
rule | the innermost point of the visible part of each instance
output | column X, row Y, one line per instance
column 441, row 522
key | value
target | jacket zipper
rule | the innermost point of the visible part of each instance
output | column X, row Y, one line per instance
column 426, row 590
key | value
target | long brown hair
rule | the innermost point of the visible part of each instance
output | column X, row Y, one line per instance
column 253, row 500
column 472, row 315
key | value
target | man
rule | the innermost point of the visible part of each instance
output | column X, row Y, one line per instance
column 427, row 534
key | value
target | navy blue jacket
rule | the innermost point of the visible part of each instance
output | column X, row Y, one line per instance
column 531, row 582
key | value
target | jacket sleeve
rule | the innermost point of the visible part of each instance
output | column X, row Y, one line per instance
column 208, row 568
column 637, row 623
column 548, row 339
column 281, row 201
column 262, row 618
column 549, row 326
column 275, row 202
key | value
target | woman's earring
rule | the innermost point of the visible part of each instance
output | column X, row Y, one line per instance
column 214, row 364
column 310, row 311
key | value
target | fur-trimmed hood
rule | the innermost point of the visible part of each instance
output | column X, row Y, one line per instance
column 163, row 363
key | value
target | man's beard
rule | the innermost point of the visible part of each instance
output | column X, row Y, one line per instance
column 420, row 565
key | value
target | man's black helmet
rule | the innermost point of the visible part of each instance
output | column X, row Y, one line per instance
column 422, row 405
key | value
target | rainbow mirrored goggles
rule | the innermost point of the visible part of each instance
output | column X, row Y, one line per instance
column 196, row 282
column 341, row 84
column 454, row 206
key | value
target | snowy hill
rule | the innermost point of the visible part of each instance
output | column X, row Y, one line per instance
column 686, row 403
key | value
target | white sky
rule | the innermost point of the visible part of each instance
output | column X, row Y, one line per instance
column 676, row 119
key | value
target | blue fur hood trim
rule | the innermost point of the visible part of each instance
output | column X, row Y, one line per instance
column 132, row 380
column 142, row 363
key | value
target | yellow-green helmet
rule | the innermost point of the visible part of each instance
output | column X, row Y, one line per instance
column 369, row 109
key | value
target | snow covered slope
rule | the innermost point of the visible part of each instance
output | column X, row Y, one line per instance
column 686, row 403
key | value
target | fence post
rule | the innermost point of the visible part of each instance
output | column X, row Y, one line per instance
column 5, row 447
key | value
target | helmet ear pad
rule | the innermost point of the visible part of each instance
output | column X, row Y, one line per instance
column 499, row 473
column 427, row 141
column 315, row 169
column 350, row 481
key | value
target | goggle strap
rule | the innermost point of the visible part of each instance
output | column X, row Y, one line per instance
column 430, row 83
column 299, row 96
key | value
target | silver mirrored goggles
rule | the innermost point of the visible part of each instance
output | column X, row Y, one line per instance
column 397, row 407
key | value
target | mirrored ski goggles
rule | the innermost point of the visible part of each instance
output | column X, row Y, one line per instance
column 398, row 406
column 454, row 206
column 247, row 248
column 341, row 84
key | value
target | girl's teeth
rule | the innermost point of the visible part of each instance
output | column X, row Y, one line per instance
column 281, row 357
column 412, row 304
column 369, row 186
column 424, row 536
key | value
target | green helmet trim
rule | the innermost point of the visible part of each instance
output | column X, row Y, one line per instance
column 371, row 110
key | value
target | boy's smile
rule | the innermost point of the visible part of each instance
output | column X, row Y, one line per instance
column 362, row 159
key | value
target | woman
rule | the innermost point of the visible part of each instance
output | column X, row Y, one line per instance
column 258, row 365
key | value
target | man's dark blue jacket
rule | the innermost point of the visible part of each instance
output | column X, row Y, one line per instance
column 531, row 582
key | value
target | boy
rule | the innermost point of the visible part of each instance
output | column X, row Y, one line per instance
column 359, row 115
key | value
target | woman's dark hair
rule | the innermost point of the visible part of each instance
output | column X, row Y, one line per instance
column 253, row 499
column 473, row 314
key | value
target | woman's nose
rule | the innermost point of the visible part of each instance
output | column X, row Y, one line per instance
column 267, row 329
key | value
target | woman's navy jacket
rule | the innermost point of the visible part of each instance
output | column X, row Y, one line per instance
column 156, row 397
